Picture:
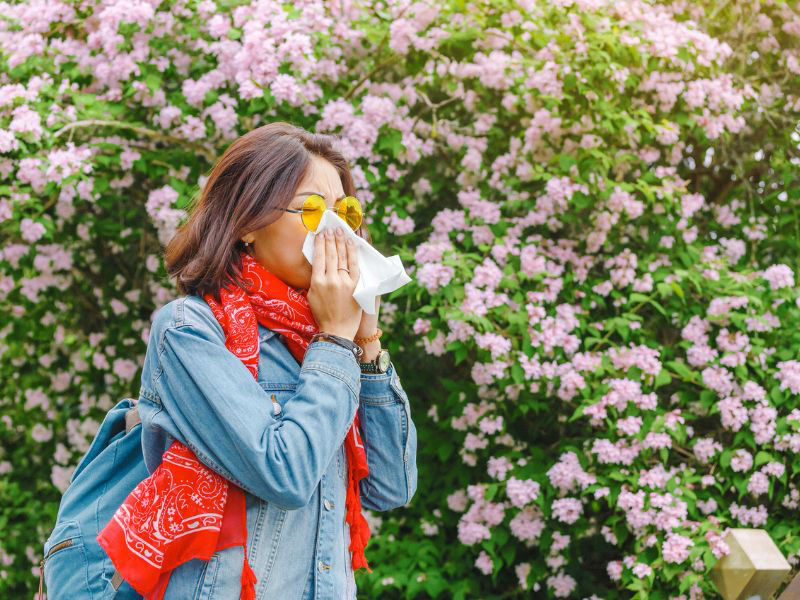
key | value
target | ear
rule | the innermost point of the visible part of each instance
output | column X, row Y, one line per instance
column 248, row 239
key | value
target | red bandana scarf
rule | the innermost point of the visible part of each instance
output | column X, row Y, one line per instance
column 184, row 510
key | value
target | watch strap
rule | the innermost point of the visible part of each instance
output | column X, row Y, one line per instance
column 369, row 366
column 372, row 365
column 357, row 350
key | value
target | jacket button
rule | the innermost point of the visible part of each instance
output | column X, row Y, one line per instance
column 328, row 504
column 323, row 566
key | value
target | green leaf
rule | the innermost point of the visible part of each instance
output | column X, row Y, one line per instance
column 662, row 378
column 517, row 373
column 153, row 81
column 762, row 457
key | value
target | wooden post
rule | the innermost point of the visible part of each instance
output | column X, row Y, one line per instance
column 754, row 567
column 792, row 591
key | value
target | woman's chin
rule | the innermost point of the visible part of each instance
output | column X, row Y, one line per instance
column 301, row 285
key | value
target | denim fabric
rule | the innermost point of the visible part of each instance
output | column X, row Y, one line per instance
column 292, row 465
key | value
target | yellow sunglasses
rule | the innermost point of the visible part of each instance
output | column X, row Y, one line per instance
column 347, row 207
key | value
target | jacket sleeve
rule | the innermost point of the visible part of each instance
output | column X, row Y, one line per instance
column 224, row 415
column 390, row 441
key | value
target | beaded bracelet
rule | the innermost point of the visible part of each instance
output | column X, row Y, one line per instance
column 372, row 338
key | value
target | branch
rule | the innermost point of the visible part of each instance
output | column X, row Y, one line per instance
column 151, row 133
column 388, row 62
column 378, row 47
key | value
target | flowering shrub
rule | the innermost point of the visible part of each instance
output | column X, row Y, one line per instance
column 596, row 201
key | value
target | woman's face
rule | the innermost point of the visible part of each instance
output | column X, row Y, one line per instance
column 279, row 245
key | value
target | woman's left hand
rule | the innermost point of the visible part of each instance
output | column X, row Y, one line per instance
column 369, row 323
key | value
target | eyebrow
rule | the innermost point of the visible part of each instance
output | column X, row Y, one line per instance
column 323, row 195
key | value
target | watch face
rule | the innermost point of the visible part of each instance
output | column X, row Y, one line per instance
column 383, row 361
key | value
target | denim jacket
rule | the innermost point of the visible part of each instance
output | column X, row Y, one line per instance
column 281, row 440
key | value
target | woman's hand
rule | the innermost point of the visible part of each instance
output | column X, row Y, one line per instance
column 330, row 294
column 369, row 323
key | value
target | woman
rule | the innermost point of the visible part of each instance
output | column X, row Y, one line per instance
column 275, row 419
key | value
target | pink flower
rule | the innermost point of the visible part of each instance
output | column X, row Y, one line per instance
column 749, row 516
column 447, row 220
column 127, row 157
column 495, row 343
column 26, row 121
column 484, row 563
column 470, row 533
column 522, row 570
column 742, row 460
column 789, row 375
column 705, row 448
column 31, row 231
column 491, row 426
column 125, row 369
column 498, row 467
column 8, row 141
column 522, row 491
column 487, row 274
column 421, row 326
column 431, row 251
column 286, row 89
column 676, row 548
column 762, row 423
column 41, row 434
column 758, row 484
column 60, row 476
column 567, row 472
column 193, row 129
column 402, row 34
column 397, row 225
column 630, row 425
column 527, row 525
column 433, row 276
column 614, row 569
column 218, row 25
column 562, row 585
column 779, row 276
column 719, row 547
column 457, row 501
column 567, row 510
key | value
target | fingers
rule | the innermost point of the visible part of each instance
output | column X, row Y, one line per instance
column 352, row 259
column 318, row 258
column 331, row 258
column 341, row 252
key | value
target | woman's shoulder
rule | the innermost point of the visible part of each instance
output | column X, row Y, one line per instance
column 188, row 311
column 193, row 312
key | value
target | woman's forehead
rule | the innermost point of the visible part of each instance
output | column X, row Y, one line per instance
column 322, row 178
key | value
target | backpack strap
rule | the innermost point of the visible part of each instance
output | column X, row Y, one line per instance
column 132, row 418
column 116, row 580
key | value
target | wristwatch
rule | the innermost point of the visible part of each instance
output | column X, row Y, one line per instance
column 357, row 350
column 380, row 364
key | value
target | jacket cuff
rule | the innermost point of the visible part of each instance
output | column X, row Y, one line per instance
column 335, row 360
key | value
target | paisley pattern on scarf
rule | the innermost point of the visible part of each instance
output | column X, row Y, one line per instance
column 159, row 513
column 184, row 510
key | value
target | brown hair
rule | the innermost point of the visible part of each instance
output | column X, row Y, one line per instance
column 257, row 173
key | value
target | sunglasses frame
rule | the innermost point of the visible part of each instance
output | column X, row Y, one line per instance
column 300, row 211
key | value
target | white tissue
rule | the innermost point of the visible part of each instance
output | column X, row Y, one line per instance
column 378, row 274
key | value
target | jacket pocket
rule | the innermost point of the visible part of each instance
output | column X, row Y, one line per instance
column 208, row 578
column 64, row 564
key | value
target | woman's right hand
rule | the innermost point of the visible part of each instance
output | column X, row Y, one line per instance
column 330, row 294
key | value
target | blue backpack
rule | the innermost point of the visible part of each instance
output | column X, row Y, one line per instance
column 75, row 566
